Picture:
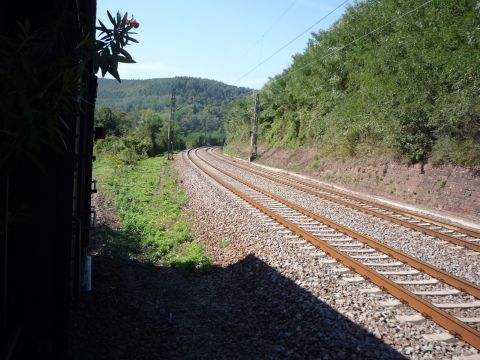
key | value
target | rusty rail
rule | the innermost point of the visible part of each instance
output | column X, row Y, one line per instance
column 419, row 228
column 460, row 329
column 431, row 270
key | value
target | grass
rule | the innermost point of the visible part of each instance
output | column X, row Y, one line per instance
column 149, row 207
column 442, row 183
column 235, row 151
column 223, row 244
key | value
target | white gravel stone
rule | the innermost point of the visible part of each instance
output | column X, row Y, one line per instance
column 414, row 319
column 444, row 337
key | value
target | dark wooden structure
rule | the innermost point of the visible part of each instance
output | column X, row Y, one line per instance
column 45, row 204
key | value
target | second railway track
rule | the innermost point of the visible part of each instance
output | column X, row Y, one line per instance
column 419, row 284
column 454, row 234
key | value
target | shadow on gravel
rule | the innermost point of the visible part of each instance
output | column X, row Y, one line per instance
column 246, row 311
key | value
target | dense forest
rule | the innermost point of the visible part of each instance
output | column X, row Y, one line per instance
column 394, row 77
column 198, row 100
column 136, row 112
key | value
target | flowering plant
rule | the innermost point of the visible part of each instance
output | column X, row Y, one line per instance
column 110, row 47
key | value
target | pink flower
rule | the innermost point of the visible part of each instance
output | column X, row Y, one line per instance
column 134, row 23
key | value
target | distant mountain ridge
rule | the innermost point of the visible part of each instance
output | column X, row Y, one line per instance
column 199, row 101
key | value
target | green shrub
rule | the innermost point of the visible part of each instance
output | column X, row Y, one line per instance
column 126, row 150
column 463, row 152
column 410, row 90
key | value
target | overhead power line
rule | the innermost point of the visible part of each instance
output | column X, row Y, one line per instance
column 291, row 41
column 270, row 28
column 358, row 39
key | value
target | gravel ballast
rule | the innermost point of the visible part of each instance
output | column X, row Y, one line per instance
column 453, row 259
column 221, row 216
column 268, row 296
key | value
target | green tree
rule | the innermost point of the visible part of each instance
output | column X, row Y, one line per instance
column 115, row 123
column 152, row 122
column 380, row 82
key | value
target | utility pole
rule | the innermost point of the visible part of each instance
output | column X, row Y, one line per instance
column 254, row 132
column 171, row 120
column 205, row 132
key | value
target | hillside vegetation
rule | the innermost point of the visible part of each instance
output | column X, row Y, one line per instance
column 382, row 79
column 200, row 103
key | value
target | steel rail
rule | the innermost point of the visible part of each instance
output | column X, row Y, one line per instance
column 456, row 327
column 431, row 270
column 403, row 223
column 459, row 229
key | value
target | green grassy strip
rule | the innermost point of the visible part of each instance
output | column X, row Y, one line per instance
column 149, row 207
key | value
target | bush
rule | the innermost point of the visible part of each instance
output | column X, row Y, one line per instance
column 126, row 150
column 411, row 88
column 416, row 136
column 462, row 152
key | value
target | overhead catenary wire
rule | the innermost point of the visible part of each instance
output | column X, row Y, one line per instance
column 342, row 47
column 290, row 42
column 357, row 39
column 262, row 37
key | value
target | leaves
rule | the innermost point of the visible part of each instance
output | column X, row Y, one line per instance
column 410, row 88
column 39, row 89
column 111, row 43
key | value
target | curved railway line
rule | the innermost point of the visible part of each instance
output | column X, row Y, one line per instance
column 457, row 235
column 412, row 281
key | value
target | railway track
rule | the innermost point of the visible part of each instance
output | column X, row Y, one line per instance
column 460, row 236
column 450, row 301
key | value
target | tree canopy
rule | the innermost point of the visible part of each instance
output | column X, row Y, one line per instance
column 200, row 102
column 135, row 114
column 383, row 78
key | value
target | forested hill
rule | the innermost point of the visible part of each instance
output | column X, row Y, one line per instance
column 197, row 100
column 391, row 76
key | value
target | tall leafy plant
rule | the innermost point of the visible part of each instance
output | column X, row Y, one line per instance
column 39, row 82
column 110, row 47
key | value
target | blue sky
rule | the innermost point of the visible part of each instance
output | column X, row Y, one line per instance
column 219, row 40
